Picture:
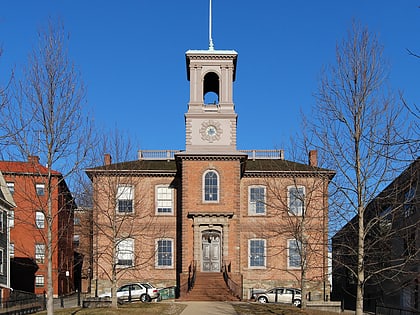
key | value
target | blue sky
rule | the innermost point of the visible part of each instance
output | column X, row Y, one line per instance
column 131, row 54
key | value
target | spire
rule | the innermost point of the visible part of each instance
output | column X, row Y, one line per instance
column 211, row 47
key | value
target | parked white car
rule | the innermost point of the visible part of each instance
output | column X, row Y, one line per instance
column 144, row 292
column 281, row 295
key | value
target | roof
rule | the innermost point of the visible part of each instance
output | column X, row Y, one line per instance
column 25, row 168
column 170, row 166
column 280, row 165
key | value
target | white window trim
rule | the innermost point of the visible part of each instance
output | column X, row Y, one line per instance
column 157, row 254
column 2, row 221
column 253, row 212
column 36, row 282
column 265, row 254
column 288, row 200
column 157, row 200
column 204, row 186
column 2, row 261
column 40, row 186
column 11, row 218
column 118, row 195
column 12, row 249
column 132, row 253
column 288, row 255
column 38, row 226
column 41, row 255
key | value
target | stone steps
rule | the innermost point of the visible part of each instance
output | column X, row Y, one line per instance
column 210, row 286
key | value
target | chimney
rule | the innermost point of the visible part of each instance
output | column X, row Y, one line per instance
column 33, row 159
column 107, row 159
column 313, row 158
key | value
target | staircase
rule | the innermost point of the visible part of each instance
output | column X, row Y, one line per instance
column 210, row 286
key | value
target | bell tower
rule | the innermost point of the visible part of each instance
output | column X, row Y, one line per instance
column 211, row 118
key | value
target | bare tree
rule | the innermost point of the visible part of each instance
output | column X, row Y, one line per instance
column 46, row 118
column 357, row 128
column 296, row 226
column 125, row 226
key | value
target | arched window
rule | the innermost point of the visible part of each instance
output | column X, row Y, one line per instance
column 211, row 186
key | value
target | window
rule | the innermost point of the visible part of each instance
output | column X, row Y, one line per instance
column 76, row 221
column 294, row 249
column 164, row 200
column 256, row 200
column 2, row 215
column 12, row 249
column 39, row 220
column 11, row 187
column 125, row 199
column 296, row 196
column 408, row 207
column 164, row 253
column 257, row 253
column 39, row 253
column 40, row 189
column 76, row 240
column 125, row 252
column 211, row 186
column 1, row 261
column 11, row 218
column 39, row 281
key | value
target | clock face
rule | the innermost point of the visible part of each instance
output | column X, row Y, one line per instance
column 211, row 131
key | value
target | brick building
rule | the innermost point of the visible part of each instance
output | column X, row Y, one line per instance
column 27, row 181
column 173, row 217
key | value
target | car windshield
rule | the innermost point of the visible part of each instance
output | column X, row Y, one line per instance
column 147, row 285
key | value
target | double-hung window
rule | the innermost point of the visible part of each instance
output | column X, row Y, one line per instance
column 11, row 218
column 39, row 220
column 40, row 253
column 125, row 199
column 125, row 252
column 164, row 200
column 408, row 206
column 39, row 281
column 40, row 189
column 164, row 249
column 211, row 186
column 294, row 248
column 296, row 198
column 2, row 260
column 257, row 253
column 256, row 200
column 11, row 187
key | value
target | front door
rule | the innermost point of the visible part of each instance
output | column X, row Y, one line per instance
column 211, row 251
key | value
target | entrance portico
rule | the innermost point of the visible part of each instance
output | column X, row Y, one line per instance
column 211, row 235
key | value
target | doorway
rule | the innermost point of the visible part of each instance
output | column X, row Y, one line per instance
column 211, row 245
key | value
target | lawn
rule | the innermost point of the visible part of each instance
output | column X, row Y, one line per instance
column 169, row 308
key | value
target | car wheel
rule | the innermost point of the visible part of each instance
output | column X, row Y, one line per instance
column 145, row 298
column 297, row 303
column 262, row 299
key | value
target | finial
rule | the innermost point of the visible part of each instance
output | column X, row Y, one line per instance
column 211, row 47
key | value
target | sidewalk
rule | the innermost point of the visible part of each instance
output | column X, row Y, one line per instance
column 208, row 308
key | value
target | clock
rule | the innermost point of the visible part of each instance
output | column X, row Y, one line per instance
column 210, row 131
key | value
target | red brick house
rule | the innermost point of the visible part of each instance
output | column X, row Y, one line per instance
column 178, row 216
column 27, row 181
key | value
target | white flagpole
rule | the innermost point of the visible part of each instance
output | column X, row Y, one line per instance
column 211, row 47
